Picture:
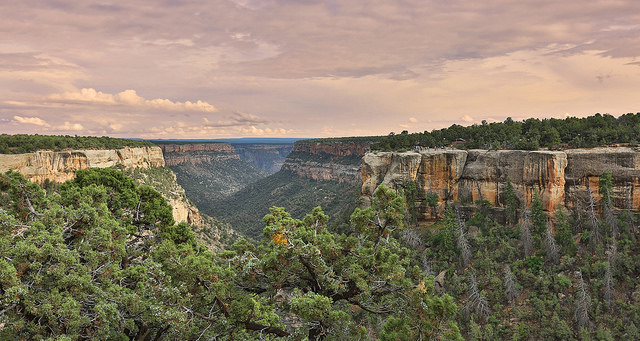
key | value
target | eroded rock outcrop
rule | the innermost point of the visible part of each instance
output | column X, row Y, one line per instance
column 61, row 166
column 562, row 178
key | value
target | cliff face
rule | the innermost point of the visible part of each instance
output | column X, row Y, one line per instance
column 61, row 166
column 563, row 178
column 194, row 154
column 333, row 160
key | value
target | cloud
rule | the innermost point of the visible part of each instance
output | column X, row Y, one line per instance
column 466, row 119
column 31, row 120
column 413, row 120
column 128, row 98
column 70, row 126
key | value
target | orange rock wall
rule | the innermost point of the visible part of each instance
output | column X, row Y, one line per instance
column 562, row 178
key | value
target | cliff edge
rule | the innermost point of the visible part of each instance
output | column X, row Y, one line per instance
column 562, row 178
column 61, row 166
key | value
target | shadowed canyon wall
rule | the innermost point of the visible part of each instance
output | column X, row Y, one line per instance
column 327, row 160
column 563, row 178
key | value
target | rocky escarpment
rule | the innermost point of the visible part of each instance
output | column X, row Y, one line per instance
column 562, row 178
column 327, row 160
column 61, row 166
column 196, row 153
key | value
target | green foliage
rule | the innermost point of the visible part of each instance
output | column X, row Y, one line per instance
column 432, row 201
column 23, row 143
column 538, row 216
column 71, row 268
column 511, row 202
column 410, row 192
column 245, row 209
column 534, row 264
column 605, row 188
column 530, row 134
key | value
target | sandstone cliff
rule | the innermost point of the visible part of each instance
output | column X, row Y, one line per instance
column 61, row 166
column 327, row 160
column 197, row 153
column 563, row 178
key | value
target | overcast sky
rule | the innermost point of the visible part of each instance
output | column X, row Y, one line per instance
column 306, row 68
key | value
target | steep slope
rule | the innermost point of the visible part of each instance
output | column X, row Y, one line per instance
column 209, row 171
column 145, row 164
column 316, row 173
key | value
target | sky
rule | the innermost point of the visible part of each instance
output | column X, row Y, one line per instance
column 307, row 68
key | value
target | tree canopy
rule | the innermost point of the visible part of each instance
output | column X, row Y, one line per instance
column 24, row 143
column 101, row 258
column 530, row 134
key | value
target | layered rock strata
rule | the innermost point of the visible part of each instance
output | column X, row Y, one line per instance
column 61, row 166
column 197, row 153
column 335, row 160
column 562, row 178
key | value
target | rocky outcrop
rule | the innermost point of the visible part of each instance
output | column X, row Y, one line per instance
column 562, row 178
column 327, row 160
column 61, row 166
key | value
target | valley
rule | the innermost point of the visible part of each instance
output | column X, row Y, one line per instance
column 520, row 244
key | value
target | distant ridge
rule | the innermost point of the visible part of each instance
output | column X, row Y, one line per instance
column 232, row 140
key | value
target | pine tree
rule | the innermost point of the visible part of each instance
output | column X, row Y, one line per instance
column 511, row 202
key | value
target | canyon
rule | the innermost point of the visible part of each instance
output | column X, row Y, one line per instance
column 561, row 178
column 212, row 172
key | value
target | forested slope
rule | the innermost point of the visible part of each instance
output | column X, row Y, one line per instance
column 571, row 276
column 100, row 258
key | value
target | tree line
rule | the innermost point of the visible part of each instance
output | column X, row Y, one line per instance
column 25, row 143
column 530, row 134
